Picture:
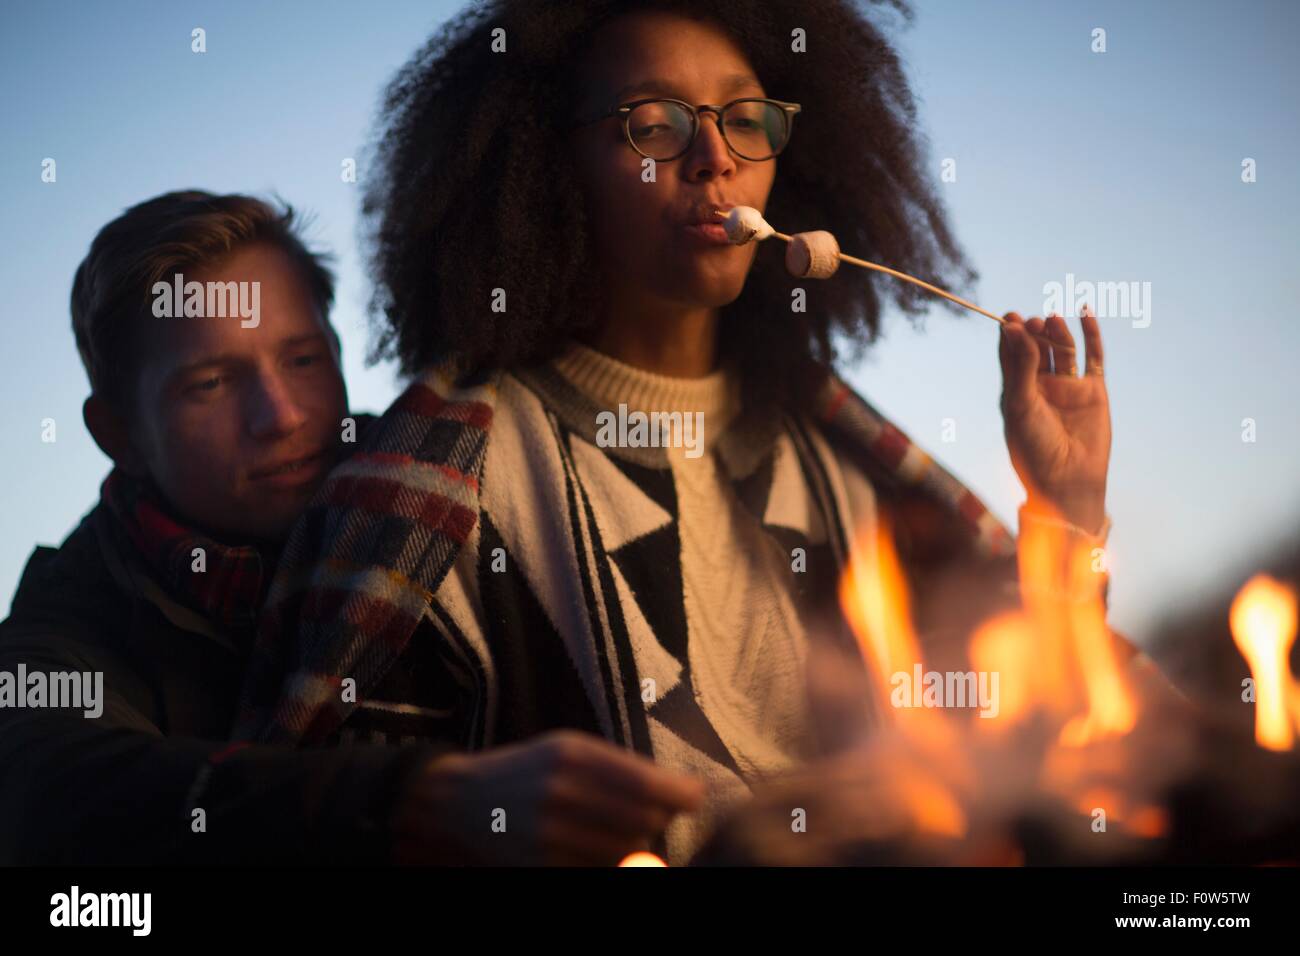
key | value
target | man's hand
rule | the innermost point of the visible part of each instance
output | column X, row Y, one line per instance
column 568, row 798
column 1057, row 422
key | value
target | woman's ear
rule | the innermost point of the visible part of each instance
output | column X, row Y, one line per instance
column 111, row 434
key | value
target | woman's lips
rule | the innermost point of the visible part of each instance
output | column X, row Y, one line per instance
column 710, row 233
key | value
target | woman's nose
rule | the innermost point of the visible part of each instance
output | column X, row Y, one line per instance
column 709, row 156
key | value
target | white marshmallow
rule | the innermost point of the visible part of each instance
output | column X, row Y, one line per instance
column 745, row 223
column 812, row 255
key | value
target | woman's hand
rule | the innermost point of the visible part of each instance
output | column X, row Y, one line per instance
column 1057, row 423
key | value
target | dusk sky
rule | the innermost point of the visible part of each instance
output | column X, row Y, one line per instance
column 1072, row 166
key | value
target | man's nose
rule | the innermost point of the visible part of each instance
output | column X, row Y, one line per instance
column 273, row 410
column 709, row 156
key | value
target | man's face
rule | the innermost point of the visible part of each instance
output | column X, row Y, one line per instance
column 643, row 229
column 238, row 426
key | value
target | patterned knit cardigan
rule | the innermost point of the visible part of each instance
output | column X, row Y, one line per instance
column 360, row 571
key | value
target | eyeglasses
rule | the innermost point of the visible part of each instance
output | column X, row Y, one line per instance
column 664, row 129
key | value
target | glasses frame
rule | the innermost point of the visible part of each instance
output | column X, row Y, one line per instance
column 624, row 112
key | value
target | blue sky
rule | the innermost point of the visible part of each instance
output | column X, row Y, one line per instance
column 1122, row 166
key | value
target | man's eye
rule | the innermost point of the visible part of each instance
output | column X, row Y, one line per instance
column 206, row 385
column 305, row 360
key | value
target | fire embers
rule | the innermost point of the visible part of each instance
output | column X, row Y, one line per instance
column 1086, row 756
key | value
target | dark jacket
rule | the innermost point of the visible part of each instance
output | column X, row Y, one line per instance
column 121, row 788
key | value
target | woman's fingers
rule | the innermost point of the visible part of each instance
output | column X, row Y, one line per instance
column 1019, row 354
column 1064, row 354
column 1037, row 328
column 1094, row 357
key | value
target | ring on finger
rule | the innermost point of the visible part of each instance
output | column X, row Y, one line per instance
column 1064, row 361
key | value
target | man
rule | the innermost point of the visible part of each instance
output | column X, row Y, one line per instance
column 203, row 324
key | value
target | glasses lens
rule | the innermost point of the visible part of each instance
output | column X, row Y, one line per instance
column 755, row 129
column 661, row 129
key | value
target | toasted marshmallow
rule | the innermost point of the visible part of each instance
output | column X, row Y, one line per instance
column 745, row 224
column 812, row 255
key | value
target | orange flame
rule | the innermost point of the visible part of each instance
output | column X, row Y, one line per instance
column 873, row 593
column 1112, row 710
column 1039, row 550
column 1062, row 586
column 1006, row 645
column 1056, row 661
column 874, row 597
column 933, row 807
column 642, row 858
column 1263, row 622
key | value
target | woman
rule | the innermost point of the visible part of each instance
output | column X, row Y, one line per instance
column 510, row 552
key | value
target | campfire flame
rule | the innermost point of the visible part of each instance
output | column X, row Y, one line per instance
column 1112, row 710
column 874, row 596
column 1082, row 738
column 1055, row 656
column 1263, row 623
column 873, row 593
column 1006, row 644
column 1058, row 669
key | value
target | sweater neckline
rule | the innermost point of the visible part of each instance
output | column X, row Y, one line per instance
column 741, row 440
column 614, row 386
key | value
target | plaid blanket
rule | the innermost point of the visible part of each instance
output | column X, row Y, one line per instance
column 361, row 568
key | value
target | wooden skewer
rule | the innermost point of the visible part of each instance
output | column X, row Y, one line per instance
column 843, row 257
column 907, row 278
column 748, row 224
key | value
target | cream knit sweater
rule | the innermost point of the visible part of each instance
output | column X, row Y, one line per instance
column 746, row 643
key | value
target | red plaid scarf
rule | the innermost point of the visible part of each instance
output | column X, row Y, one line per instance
column 229, row 589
